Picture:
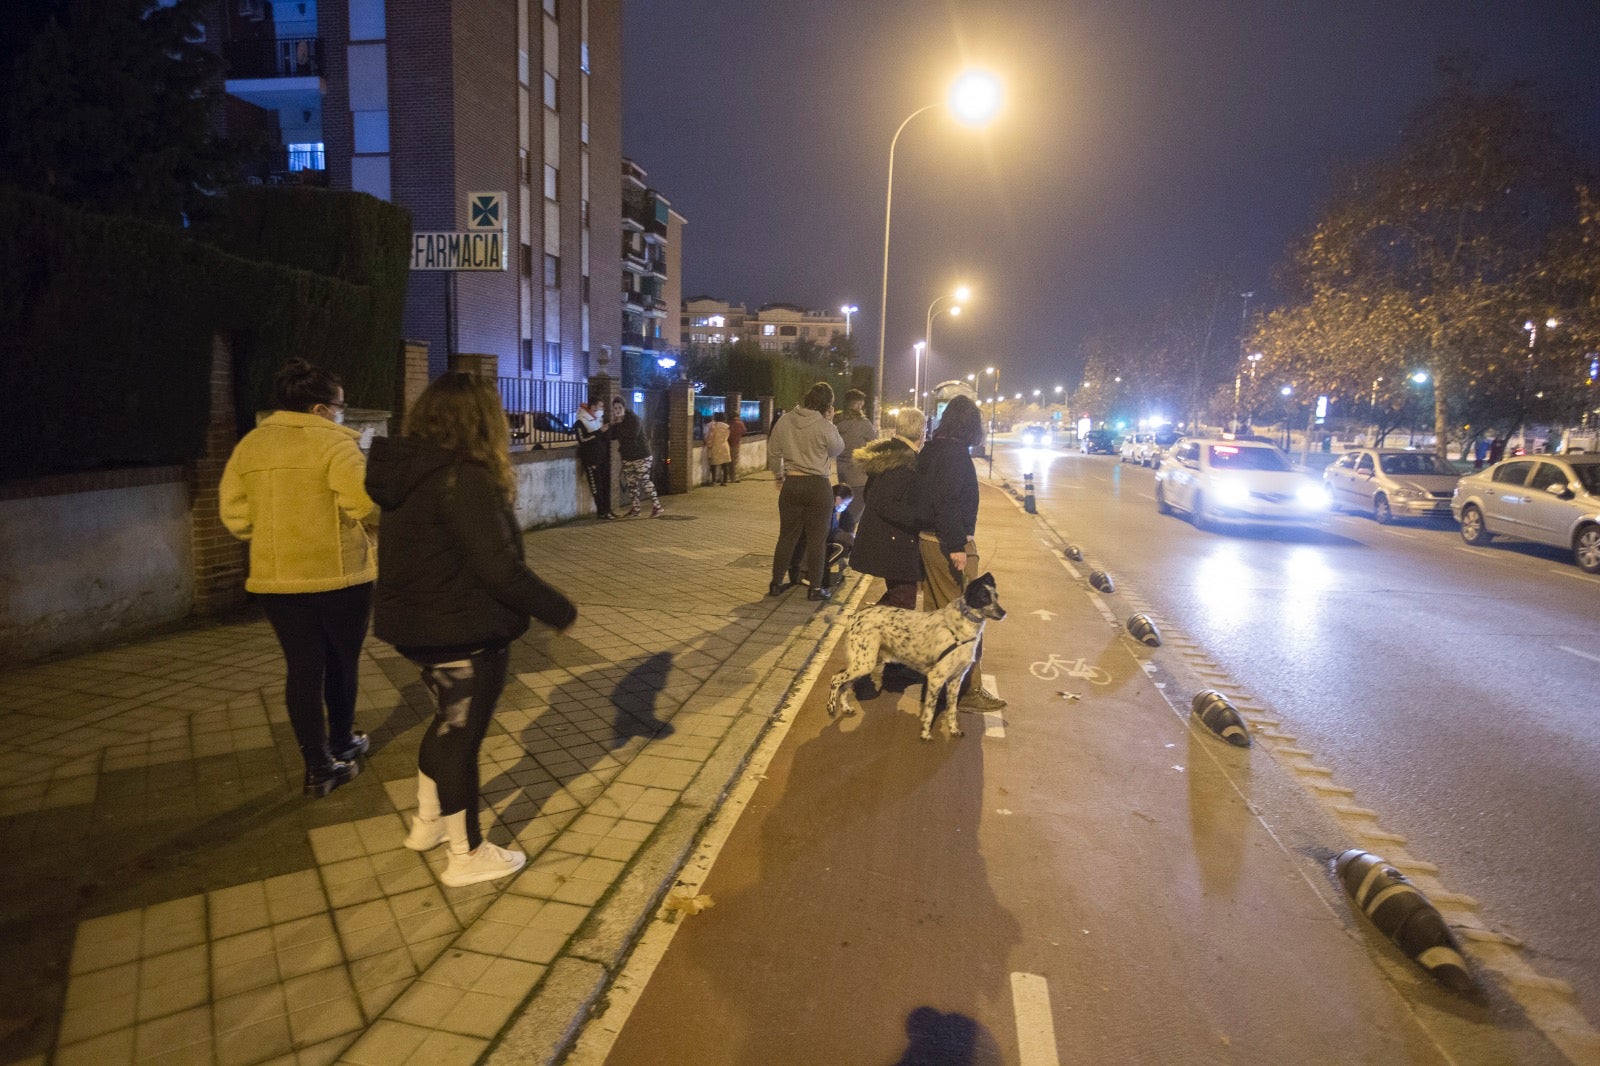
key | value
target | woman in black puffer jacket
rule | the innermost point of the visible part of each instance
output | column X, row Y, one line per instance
column 453, row 592
column 886, row 541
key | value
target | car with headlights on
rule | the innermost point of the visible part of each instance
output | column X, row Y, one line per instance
column 1547, row 499
column 1100, row 442
column 1391, row 483
column 1033, row 435
column 1217, row 480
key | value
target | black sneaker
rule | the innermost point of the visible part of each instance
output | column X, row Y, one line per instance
column 777, row 588
column 820, row 594
column 352, row 749
column 321, row 780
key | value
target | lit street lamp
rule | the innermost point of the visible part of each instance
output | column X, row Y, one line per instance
column 916, row 371
column 847, row 310
column 994, row 403
column 973, row 99
column 961, row 295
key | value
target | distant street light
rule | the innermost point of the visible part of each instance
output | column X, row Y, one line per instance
column 973, row 99
column 961, row 294
column 916, row 371
column 994, row 404
column 847, row 310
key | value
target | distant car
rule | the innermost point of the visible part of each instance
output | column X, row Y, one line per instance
column 1151, row 454
column 1033, row 436
column 1216, row 481
column 1391, row 483
column 1547, row 499
column 1100, row 442
column 1135, row 446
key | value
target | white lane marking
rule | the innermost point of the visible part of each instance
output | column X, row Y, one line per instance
column 1036, row 1030
column 1580, row 654
column 994, row 724
column 1579, row 574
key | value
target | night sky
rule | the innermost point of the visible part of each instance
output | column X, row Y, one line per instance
column 1141, row 144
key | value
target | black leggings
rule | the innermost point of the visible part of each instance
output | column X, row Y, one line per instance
column 466, row 698
column 321, row 635
column 804, row 505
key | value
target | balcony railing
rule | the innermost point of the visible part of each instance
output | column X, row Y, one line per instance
column 282, row 57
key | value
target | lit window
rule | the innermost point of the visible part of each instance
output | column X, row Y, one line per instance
column 769, row 331
column 549, row 90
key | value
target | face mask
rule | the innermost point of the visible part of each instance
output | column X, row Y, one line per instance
column 338, row 416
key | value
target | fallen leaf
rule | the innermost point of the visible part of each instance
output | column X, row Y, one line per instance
column 688, row 903
column 1070, row 696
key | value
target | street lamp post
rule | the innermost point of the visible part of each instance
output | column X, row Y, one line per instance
column 916, row 374
column 847, row 310
column 960, row 294
column 994, row 404
column 973, row 99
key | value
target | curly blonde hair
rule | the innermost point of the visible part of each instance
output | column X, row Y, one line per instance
column 462, row 412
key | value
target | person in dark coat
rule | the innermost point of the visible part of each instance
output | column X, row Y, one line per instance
column 453, row 592
column 633, row 448
column 947, row 490
column 886, row 540
column 594, row 454
column 736, row 431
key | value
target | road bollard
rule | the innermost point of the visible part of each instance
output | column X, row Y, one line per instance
column 1220, row 716
column 1142, row 629
column 1027, row 494
column 1102, row 582
column 1401, row 912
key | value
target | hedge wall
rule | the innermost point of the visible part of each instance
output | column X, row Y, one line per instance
column 106, row 327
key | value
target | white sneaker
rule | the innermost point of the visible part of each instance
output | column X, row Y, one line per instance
column 426, row 833
column 489, row 862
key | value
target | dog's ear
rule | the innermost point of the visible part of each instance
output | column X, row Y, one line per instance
column 986, row 579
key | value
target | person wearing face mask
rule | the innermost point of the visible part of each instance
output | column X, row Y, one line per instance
column 294, row 490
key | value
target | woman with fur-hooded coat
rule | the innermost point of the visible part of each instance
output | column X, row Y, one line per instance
column 886, row 540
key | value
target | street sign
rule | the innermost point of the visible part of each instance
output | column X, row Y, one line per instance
column 469, row 250
column 486, row 210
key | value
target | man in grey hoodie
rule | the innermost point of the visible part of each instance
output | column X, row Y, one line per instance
column 800, row 453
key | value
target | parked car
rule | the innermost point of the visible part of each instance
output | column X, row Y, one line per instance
column 1547, row 499
column 1159, row 443
column 1135, row 446
column 1100, row 442
column 1391, row 483
column 1236, row 481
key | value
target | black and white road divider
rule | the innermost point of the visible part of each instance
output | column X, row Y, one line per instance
column 1028, row 504
column 1220, row 716
column 1401, row 912
column 1101, row 581
column 1142, row 629
column 1074, row 553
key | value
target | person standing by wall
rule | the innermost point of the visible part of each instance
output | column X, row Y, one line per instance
column 453, row 592
column 594, row 454
column 736, row 430
column 886, row 541
column 719, row 456
column 293, row 489
column 800, row 450
column 633, row 449
column 947, row 487
column 857, row 431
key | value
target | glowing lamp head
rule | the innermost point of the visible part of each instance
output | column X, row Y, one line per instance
column 975, row 97
column 963, row 293
column 955, row 312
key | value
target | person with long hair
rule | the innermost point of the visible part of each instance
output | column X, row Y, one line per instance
column 800, row 450
column 453, row 592
column 293, row 489
column 947, row 486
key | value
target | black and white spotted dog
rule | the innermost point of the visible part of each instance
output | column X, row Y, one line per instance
column 940, row 644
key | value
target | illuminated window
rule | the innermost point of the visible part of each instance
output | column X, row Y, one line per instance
column 769, row 331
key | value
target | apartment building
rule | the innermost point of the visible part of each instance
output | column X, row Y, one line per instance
column 423, row 102
column 777, row 327
column 652, row 278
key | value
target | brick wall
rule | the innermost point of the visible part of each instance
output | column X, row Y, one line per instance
column 680, row 438
column 413, row 379
column 218, row 559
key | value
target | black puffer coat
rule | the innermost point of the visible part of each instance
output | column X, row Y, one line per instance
column 886, row 540
column 947, row 490
column 451, row 575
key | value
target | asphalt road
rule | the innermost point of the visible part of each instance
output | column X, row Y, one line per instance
column 1456, row 689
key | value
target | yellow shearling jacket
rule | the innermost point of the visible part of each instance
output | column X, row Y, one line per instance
column 293, row 488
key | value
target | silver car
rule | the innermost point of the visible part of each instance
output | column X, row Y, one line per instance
column 1391, row 483
column 1548, row 499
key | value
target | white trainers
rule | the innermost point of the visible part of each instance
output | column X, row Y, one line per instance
column 489, row 862
column 426, row 833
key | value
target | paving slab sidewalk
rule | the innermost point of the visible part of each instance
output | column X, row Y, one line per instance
column 170, row 896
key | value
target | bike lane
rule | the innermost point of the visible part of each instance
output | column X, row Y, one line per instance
column 1081, row 877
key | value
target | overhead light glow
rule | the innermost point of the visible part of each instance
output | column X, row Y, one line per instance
column 975, row 97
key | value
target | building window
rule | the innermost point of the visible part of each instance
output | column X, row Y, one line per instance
column 769, row 331
column 550, row 8
column 552, row 271
column 550, row 90
column 306, row 156
column 552, row 359
column 527, row 260
column 585, row 288
column 583, row 57
column 786, row 331
column 527, row 354
column 549, row 182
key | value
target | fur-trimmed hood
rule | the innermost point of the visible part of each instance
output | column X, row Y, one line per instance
column 890, row 453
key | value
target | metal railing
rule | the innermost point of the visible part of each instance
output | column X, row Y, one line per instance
column 280, row 57
column 526, row 398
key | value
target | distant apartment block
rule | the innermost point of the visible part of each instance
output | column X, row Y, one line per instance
column 777, row 327
column 652, row 278
column 421, row 102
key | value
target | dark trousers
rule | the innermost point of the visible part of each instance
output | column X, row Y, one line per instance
column 902, row 594
column 465, row 698
column 805, row 504
column 321, row 635
column 598, row 476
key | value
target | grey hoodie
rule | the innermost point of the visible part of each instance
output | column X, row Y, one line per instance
column 803, row 442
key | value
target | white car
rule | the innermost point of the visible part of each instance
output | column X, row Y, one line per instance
column 1135, row 446
column 1391, row 483
column 1215, row 480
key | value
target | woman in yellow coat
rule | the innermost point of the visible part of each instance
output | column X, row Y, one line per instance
column 294, row 489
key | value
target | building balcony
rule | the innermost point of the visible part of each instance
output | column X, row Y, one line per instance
column 266, row 57
column 639, row 342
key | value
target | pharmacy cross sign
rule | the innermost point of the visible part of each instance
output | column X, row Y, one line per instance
column 486, row 210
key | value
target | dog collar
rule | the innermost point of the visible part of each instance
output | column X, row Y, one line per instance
column 968, row 613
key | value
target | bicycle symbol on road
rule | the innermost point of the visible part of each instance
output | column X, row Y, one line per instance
column 1057, row 666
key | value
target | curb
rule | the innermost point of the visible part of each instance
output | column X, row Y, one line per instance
column 555, row 1013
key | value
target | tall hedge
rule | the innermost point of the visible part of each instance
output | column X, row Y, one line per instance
column 106, row 327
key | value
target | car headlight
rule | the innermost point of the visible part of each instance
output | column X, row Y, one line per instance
column 1314, row 496
column 1231, row 493
column 1410, row 494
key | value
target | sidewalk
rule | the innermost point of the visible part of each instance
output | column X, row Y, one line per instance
column 172, row 897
